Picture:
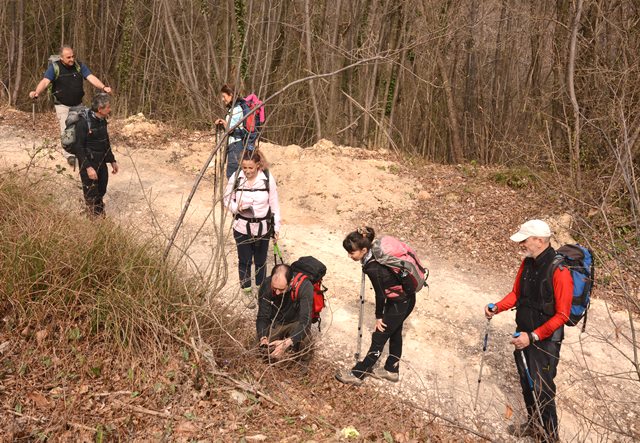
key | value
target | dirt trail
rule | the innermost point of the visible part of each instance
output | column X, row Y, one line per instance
column 321, row 190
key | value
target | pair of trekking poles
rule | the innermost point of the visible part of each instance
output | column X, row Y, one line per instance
column 525, row 366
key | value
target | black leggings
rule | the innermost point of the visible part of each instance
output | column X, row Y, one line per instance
column 394, row 316
column 94, row 190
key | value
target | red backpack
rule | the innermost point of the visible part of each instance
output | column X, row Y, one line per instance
column 314, row 270
column 254, row 121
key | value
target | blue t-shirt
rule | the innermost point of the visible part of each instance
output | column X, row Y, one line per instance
column 51, row 75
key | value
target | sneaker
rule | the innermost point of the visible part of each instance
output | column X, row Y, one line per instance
column 525, row 429
column 348, row 378
column 71, row 160
column 383, row 374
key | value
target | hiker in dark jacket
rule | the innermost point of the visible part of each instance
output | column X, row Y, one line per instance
column 283, row 324
column 393, row 306
column 542, row 309
column 66, row 77
column 93, row 149
column 235, row 144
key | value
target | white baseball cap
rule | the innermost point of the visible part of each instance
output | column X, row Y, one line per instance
column 532, row 228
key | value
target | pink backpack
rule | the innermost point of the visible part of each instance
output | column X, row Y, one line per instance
column 402, row 259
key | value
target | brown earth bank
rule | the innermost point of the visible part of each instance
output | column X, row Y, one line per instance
column 458, row 217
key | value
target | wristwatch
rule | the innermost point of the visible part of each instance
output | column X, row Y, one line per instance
column 533, row 337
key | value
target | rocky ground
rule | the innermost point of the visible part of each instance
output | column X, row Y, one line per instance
column 458, row 217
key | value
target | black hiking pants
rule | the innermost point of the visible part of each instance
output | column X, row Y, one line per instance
column 251, row 250
column 542, row 359
column 395, row 313
column 94, row 190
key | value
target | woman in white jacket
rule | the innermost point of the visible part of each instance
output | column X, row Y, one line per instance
column 252, row 197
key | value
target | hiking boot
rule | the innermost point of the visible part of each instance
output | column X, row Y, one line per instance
column 525, row 429
column 348, row 378
column 72, row 161
column 383, row 374
column 251, row 301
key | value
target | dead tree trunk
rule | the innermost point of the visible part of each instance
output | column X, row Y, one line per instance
column 456, row 145
column 575, row 139
column 314, row 101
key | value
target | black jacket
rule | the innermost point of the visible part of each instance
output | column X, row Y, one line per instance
column 92, row 147
column 383, row 279
column 536, row 304
column 275, row 310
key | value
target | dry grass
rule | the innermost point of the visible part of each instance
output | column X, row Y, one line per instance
column 90, row 277
column 101, row 341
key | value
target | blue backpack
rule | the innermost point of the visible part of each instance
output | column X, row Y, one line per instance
column 579, row 261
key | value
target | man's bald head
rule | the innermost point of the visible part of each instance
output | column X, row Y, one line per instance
column 280, row 278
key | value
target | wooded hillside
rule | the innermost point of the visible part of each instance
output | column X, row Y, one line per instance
column 450, row 80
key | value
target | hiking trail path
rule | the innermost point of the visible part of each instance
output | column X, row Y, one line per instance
column 322, row 190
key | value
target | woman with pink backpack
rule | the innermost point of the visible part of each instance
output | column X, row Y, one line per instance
column 395, row 274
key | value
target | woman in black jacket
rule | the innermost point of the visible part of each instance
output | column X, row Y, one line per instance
column 394, row 302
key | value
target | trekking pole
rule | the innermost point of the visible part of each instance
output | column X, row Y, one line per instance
column 33, row 113
column 531, row 386
column 360, row 318
column 484, row 352
column 277, row 253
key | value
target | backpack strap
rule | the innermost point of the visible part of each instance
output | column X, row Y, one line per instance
column 56, row 69
column 295, row 284
column 236, row 184
column 269, row 217
column 266, row 183
column 87, row 118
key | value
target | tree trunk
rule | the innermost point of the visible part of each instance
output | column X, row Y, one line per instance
column 575, row 139
column 314, row 101
column 456, row 145
column 20, row 49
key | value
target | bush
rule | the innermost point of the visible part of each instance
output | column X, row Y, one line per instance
column 516, row 178
column 90, row 278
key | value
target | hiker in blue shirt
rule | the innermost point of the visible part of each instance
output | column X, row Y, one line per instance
column 66, row 79
column 235, row 144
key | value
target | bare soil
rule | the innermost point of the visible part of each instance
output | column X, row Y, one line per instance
column 457, row 217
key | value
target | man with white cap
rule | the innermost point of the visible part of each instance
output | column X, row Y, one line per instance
column 542, row 299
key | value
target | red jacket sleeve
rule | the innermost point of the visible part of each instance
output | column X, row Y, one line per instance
column 563, row 293
column 509, row 300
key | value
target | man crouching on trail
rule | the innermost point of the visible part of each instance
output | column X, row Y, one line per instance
column 283, row 323
column 543, row 305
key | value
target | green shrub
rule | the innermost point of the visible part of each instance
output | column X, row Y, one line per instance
column 515, row 178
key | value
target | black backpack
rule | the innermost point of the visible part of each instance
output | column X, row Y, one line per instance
column 313, row 269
